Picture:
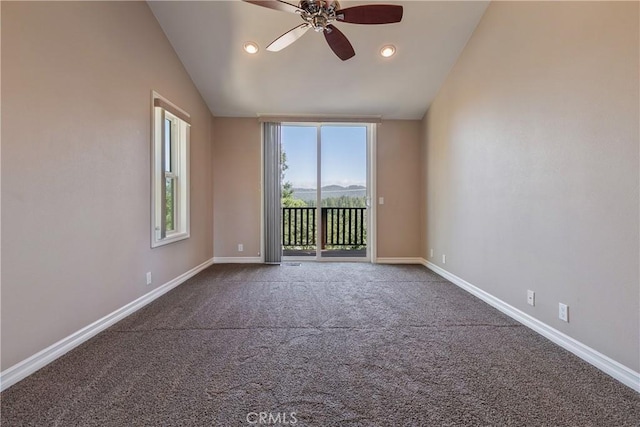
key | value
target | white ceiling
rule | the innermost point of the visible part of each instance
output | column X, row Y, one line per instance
column 306, row 78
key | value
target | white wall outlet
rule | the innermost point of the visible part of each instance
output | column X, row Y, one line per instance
column 381, row 200
column 563, row 312
column 148, row 278
column 531, row 298
column 240, row 247
column 431, row 253
column 444, row 259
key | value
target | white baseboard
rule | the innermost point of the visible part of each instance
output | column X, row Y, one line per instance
column 609, row 366
column 238, row 260
column 383, row 260
column 22, row 369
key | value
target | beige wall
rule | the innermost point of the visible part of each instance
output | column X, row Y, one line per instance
column 237, row 184
column 532, row 167
column 398, row 169
column 76, row 89
column 237, row 181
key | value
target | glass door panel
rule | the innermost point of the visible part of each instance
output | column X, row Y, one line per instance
column 299, row 191
column 343, row 191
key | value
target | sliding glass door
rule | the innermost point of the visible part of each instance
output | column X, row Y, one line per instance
column 325, row 191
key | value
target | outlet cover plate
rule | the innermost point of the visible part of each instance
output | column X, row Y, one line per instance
column 563, row 312
column 531, row 298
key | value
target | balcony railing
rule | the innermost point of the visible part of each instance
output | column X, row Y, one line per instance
column 341, row 227
column 298, row 227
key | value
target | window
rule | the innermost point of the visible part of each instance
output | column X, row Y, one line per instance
column 170, row 173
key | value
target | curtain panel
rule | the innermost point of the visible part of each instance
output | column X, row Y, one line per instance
column 272, row 193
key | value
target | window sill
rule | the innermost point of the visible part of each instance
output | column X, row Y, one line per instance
column 170, row 239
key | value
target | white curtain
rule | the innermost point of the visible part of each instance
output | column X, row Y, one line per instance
column 272, row 194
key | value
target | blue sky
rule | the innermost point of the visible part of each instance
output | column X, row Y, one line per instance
column 344, row 155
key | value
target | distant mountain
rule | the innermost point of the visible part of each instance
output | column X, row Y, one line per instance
column 309, row 194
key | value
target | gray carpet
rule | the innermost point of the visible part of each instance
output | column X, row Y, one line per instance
column 336, row 344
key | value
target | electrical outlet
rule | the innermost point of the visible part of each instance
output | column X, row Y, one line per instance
column 381, row 200
column 444, row 259
column 240, row 247
column 563, row 312
column 531, row 298
column 148, row 278
column 431, row 253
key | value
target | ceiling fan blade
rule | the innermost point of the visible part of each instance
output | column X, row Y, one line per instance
column 371, row 14
column 276, row 5
column 289, row 37
column 338, row 43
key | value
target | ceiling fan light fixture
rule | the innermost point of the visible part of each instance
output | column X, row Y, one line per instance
column 388, row 51
column 250, row 47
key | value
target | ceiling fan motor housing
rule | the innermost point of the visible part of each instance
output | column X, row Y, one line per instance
column 318, row 13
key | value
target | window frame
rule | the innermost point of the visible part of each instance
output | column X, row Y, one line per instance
column 163, row 109
column 175, row 170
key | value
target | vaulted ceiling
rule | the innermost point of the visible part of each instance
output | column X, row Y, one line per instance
column 306, row 78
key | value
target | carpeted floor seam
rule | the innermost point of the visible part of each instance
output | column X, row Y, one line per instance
column 340, row 328
column 297, row 282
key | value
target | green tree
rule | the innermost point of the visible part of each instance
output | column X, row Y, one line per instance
column 342, row 202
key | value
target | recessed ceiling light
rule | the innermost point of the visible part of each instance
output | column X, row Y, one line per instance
column 388, row 50
column 250, row 47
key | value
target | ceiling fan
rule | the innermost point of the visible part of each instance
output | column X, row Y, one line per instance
column 320, row 15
